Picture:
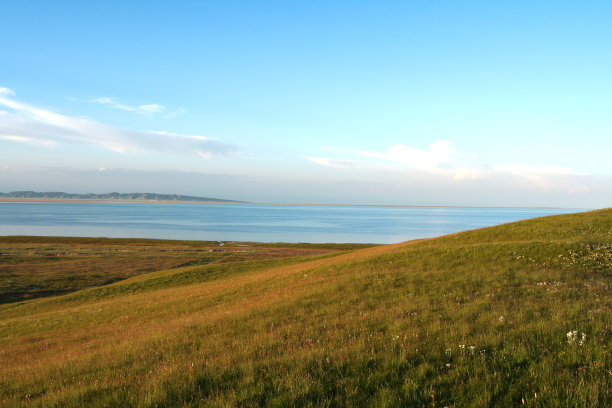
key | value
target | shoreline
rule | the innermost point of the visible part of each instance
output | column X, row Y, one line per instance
column 81, row 201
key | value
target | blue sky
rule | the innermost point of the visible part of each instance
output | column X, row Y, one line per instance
column 420, row 102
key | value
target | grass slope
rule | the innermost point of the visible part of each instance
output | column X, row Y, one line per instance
column 32, row 267
column 479, row 318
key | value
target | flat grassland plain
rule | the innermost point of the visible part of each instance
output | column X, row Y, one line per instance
column 514, row 314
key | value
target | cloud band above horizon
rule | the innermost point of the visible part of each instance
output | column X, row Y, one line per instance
column 24, row 123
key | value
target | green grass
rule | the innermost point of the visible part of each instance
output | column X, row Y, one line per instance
column 478, row 318
column 32, row 267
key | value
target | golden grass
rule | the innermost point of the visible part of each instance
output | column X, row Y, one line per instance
column 380, row 326
column 32, row 267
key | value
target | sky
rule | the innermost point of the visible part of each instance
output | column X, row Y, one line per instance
column 470, row 103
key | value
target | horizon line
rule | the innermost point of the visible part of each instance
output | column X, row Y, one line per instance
column 229, row 202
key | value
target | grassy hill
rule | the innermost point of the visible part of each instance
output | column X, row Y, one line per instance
column 32, row 267
column 501, row 316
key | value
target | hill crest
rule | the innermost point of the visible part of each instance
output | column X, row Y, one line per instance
column 59, row 195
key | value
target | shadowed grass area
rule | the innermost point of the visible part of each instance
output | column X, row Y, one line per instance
column 480, row 318
column 32, row 267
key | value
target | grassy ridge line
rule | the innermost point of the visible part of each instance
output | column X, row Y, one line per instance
column 26, row 239
column 223, row 281
column 367, row 328
column 47, row 266
column 153, row 281
column 594, row 224
column 191, row 275
column 222, row 284
column 150, row 318
column 141, row 317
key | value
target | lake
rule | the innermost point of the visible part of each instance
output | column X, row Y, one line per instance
column 252, row 222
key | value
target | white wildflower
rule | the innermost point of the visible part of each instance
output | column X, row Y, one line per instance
column 573, row 338
column 447, row 352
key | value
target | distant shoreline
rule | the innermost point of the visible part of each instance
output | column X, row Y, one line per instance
column 77, row 201
column 82, row 200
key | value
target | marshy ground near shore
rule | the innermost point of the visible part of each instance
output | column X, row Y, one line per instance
column 509, row 315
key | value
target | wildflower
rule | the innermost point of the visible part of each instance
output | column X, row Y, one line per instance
column 471, row 349
column 462, row 346
column 501, row 319
column 447, row 352
column 572, row 337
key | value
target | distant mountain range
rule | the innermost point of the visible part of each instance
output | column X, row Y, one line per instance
column 111, row 196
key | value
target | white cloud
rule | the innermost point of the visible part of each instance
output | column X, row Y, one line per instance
column 578, row 189
column 26, row 123
column 439, row 153
column 526, row 170
column 29, row 140
column 547, row 176
column 323, row 161
column 149, row 109
column 6, row 91
column 152, row 108
column 204, row 155
column 440, row 159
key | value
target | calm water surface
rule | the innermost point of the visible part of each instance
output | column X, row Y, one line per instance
column 251, row 222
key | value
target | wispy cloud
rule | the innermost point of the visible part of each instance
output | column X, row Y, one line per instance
column 323, row 161
column 440, row 159
column 439, row 153
column 545, row 177
column 25, row 123
column 28, row 140
column 526, row 170
column 148, row 109
column 6, row 91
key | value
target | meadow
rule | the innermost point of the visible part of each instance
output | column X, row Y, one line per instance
column 32, row 267
column 517, row 314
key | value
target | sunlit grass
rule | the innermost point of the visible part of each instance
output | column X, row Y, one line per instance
column 479, row 318
column 32, row 267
